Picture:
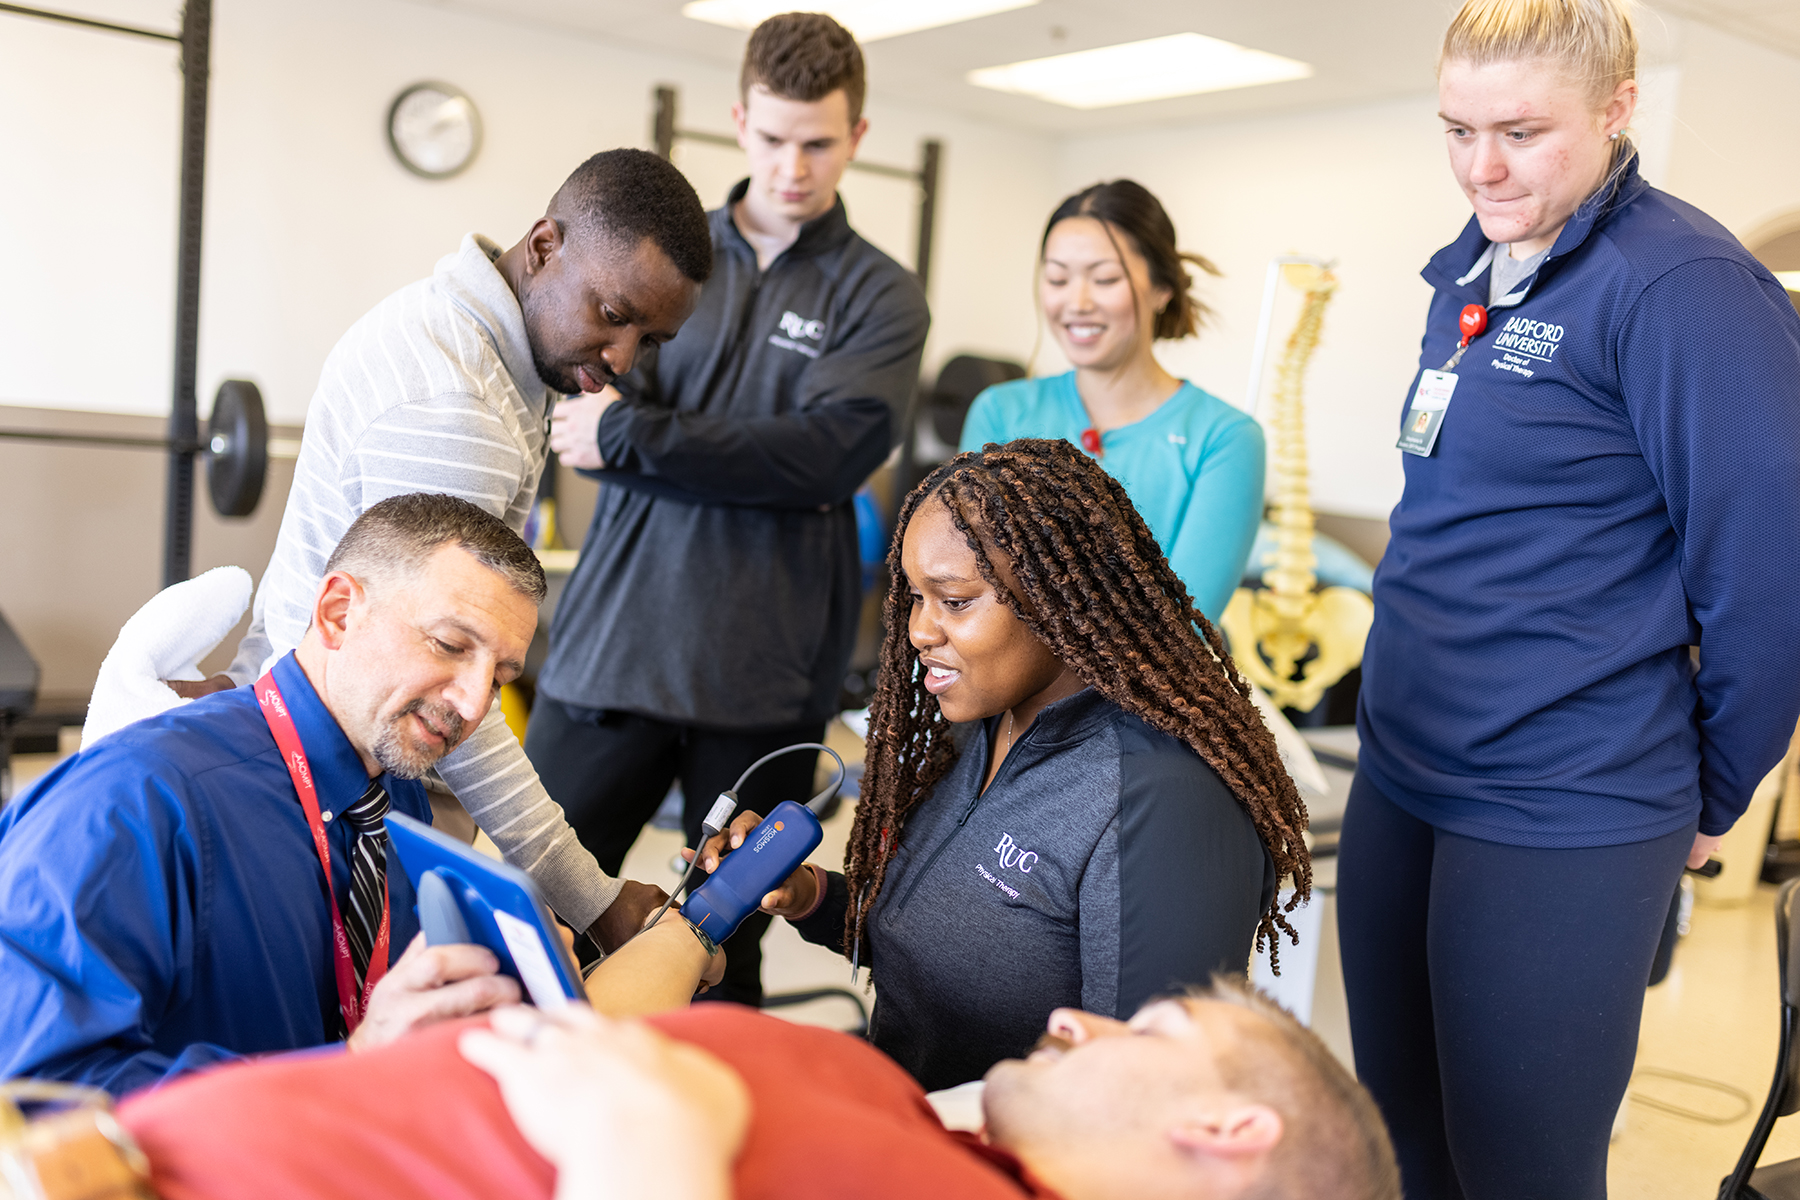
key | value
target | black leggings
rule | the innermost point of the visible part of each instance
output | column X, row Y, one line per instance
column 610, row 770
column 1495, row 993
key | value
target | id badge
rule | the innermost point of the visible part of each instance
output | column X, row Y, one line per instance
column 1426, row 417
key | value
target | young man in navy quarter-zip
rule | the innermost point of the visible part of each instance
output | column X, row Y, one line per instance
column 713, row 613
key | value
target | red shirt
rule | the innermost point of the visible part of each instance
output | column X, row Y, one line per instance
column 831, row 1116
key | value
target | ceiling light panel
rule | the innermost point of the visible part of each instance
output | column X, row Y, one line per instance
column 1182, row 64
column 868, row 20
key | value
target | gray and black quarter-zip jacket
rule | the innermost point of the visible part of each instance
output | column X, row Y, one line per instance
column 1105, row 865
column 719, row 584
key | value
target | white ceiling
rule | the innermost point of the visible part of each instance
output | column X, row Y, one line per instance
column 1771, row 23
column 1357, row 57
column 1361, row 50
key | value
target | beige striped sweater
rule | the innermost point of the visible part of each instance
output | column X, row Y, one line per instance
column 433, row 390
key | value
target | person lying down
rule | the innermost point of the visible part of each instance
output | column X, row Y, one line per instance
column 1212, row 1094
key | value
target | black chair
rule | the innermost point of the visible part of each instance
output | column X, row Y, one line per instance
column 961, row 380
column 945, row 405
column 1777, row 1181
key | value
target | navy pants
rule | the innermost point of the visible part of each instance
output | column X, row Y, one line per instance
column 1495, row 993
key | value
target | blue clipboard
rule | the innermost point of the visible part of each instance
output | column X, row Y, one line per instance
column 467, row 897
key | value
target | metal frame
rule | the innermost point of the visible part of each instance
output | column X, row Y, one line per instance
column 666, row 131
column 195, row 40
column 1738, row 1185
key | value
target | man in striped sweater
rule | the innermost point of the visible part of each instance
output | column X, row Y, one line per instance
column 446, row 386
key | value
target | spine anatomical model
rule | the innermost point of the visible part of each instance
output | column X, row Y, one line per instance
column 1292, row 638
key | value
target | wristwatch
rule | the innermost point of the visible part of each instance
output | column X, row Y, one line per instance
column 78, row 1153
column 711, row 946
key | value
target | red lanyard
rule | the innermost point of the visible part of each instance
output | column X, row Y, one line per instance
column 352, row 1006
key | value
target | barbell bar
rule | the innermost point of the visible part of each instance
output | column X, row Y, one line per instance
column 237, row 447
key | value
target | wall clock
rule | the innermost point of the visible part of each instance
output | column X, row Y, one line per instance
column 434, row 130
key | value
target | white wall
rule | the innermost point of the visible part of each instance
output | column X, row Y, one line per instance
column 87, row 212
column 1365, row 186
column 1736, row 141
column 309, row 221
column 1370, row 188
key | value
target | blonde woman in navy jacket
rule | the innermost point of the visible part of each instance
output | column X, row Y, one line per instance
column 1612, row 481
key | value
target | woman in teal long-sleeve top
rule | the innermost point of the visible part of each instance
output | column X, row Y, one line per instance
column 1112, row 284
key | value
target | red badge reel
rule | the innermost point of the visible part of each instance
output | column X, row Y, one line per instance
column 1473, row 321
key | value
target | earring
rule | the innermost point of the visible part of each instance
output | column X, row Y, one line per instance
column 1613, row 136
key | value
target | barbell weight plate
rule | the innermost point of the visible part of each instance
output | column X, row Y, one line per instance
column 238, row 448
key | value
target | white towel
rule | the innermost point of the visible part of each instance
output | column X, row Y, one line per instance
column 959, row 1107
column 1296, row 755
column 165, row 639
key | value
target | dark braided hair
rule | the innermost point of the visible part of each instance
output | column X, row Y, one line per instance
column 1094, row 586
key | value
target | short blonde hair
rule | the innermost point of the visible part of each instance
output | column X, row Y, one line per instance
column 1335, row 1142
column 1591, row 40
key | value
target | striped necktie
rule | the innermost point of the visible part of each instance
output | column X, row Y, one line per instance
column 368, row 875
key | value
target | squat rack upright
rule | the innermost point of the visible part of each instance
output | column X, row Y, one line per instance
column 195, row 40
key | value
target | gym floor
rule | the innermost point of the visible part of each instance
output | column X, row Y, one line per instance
column 1705, row 1057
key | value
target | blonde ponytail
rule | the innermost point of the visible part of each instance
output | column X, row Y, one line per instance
column 1591, row 40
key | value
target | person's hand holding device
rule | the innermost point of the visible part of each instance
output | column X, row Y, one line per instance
column 798, row 893
column 473, row 905
column 618, row 1108
column 1705, row 846
column 575, row 427
column 431, row 984
column 768, row 861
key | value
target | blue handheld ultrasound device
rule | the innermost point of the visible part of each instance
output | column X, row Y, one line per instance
column 769, row 855
column 466, row 897
column 771, row 851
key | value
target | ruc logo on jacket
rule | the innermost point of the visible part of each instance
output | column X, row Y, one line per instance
column 1012, row 855
column 797, row 326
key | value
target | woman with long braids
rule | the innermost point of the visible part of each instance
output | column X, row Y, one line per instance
column 1113, row 823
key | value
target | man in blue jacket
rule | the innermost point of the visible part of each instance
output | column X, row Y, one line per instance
column 713, row 613
column 161, row 898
